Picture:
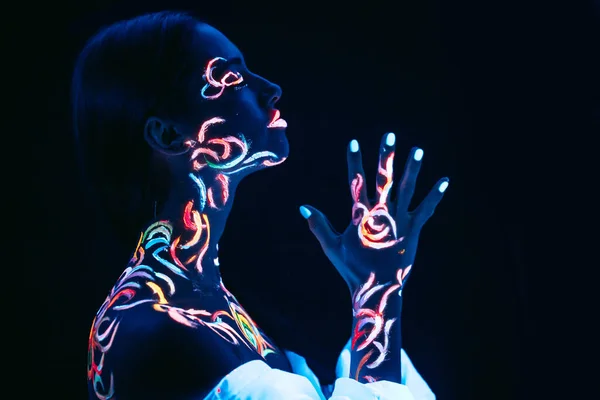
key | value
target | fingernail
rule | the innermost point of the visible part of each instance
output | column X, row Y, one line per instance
column 353, row 146
column 305, row 212
column 390, row 139
column 443, row 187
column 418, row 155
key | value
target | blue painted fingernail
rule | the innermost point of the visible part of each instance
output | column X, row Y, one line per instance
column 443, row 186
column 305, row 212
column 353, row 146
column 390, row 139
column 418, row 155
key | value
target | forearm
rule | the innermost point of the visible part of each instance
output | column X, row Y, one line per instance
column 377, row 336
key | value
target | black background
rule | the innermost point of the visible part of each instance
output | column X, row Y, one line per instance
column 485, row 88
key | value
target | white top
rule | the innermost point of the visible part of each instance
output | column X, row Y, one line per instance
column 255, row 380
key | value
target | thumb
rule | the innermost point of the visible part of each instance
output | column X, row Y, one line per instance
column 320, row 227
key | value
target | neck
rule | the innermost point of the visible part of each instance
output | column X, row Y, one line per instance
column 195, row 213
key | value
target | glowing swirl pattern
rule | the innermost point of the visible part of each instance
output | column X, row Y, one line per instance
column 215, row 88
column 135, row 286
column 371, row 327
column 228, row 154
column 140, row 284
column 193, row 318
column 376, row 227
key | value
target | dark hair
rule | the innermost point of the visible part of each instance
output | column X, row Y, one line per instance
column 127, row 72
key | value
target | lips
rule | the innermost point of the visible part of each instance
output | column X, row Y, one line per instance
column 277, row 122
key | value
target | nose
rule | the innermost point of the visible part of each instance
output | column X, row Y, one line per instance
column 271, row 93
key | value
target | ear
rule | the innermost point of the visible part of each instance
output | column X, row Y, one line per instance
column 164, row 137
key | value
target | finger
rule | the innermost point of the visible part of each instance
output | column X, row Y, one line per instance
column 320, row 227
column 425, row 210
column 356, row 175
column 385, row 169
column 409, row 180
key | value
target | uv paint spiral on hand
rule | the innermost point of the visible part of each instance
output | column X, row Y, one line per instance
column 376, row 227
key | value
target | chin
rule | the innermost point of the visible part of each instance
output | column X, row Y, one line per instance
column 280, row 145
column 278, row 148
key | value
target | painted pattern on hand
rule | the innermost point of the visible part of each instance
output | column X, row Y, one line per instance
column 376, row 227
column 380, row 242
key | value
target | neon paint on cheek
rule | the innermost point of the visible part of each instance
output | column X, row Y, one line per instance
column 215, row 88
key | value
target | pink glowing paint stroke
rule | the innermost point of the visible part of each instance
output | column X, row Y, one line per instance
column 211, row 82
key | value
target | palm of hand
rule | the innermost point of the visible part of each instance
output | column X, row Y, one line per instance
column 382, row 236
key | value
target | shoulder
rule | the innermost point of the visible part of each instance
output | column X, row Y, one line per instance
column 120, row 343
column 144, row 353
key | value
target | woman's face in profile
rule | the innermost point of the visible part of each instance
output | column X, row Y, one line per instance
column 237, row 105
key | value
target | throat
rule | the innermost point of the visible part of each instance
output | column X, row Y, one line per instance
column 183, row 239
column 185, row 255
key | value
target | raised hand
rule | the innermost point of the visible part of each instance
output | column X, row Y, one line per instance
column 382, row 237
column 375, row 255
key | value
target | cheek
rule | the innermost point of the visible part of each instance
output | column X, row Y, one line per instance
column 246, row 106
column 242, row 114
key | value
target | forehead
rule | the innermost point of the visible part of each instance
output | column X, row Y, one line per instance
column 215, row 44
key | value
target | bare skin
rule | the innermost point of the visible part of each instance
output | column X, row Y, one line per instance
column 170, row 327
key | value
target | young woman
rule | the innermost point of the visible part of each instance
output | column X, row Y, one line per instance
column 169, row 119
